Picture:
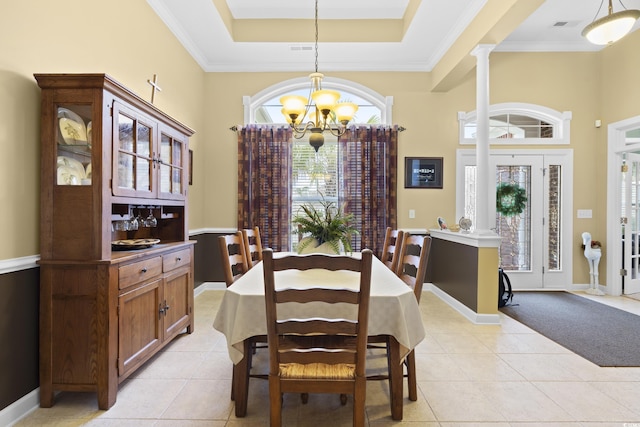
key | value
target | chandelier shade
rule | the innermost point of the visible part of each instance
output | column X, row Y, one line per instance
column 612, row 27
column 321, row 112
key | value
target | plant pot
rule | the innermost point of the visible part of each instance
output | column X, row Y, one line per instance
column 314, row 248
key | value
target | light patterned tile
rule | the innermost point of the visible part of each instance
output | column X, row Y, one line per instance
column 585, row 402
column 468, row 376
column 543, row 367
column 459, row 401
column 201, row 400
column 461, row 343
column 522, row 401
column 485, row 367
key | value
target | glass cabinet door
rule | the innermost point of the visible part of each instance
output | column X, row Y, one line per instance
column 172, row 165
column 73, row 143
column 133, row 153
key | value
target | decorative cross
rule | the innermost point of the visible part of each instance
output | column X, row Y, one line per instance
column 154, row 85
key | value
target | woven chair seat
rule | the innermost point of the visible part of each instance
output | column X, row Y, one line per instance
column 322, row 371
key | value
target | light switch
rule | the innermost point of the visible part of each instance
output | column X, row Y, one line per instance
column 412, row 213
column 585, row 213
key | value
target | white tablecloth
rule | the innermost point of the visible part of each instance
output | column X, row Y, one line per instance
column 393, row 309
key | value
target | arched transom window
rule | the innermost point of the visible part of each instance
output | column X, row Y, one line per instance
column 518, row 123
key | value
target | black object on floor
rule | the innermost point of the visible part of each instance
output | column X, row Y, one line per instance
column 605, row 335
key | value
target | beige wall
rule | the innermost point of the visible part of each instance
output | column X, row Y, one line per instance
column 126, row 39
column 560, row 81
column 123, row 38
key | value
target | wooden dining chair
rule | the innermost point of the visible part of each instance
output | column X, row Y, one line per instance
column 412, row 268
column 252, row 245
column 234, row 265
column 391, row 247
column 317, row 354
column 413, row 257
column 233, row 256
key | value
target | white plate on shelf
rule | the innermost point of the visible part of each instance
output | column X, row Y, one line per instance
column 128, row 244
column 72, row 163
column 89, row 128
column 73, row 133
column 72, row 127
column 87, row 171
column 69, row 176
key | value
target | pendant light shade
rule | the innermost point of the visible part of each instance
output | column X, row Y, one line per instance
column 612, row 27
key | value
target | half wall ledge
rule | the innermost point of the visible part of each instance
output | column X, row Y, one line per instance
column 465, row 273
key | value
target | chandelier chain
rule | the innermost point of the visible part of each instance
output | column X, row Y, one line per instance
column 316, row 36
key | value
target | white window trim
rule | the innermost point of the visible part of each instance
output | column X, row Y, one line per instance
column 383, row 103
column 561, row 122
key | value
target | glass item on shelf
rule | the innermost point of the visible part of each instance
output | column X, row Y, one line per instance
column 151, row 220
column 133, row 223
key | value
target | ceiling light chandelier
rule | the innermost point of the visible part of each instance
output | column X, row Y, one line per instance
column 329, row 115
column 612, row 27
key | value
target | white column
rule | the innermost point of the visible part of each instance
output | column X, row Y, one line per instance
column 483, row 224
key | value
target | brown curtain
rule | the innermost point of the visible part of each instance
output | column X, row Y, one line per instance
column 264, row 171
column 368, row 168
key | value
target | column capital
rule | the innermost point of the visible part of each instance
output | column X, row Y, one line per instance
column 483, row 49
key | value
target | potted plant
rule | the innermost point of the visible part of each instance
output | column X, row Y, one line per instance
column 327, row 227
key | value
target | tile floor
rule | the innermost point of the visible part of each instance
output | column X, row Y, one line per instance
column 469, row 375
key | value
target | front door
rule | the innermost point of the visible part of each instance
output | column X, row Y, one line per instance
column 535, row 246
column 519, row 217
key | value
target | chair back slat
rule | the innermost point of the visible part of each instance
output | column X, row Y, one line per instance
column 310, row 326
column 329, row 296
column 311, row 356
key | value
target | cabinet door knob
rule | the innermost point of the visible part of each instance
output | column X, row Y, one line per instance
column 178, row 259
column 144, row 270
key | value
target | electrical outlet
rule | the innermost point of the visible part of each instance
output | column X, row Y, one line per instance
column 412, row 213
column 585, row 213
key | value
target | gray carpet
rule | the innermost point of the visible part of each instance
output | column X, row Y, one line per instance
column 602, row 334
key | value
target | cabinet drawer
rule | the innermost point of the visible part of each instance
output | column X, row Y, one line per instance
column 140, row 271
column 176, row 259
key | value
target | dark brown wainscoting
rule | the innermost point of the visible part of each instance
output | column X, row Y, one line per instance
column 454, row 269
column 19, row 307
column 207, row 259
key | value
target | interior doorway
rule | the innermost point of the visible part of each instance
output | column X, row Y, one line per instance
column 623, row 207
column 630, row 221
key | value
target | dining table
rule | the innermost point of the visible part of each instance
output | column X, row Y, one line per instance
column 393, row 313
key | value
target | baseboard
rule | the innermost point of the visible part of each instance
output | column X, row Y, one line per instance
column 477, row 318
column 209, row 286
column 20, row 408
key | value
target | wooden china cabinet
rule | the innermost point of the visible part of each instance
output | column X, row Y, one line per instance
column 116, row 267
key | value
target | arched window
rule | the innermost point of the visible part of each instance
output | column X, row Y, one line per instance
column 264, row 107
column 519, row 123
column 316, row 177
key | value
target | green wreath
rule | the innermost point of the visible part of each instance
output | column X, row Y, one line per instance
column 510, row 199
